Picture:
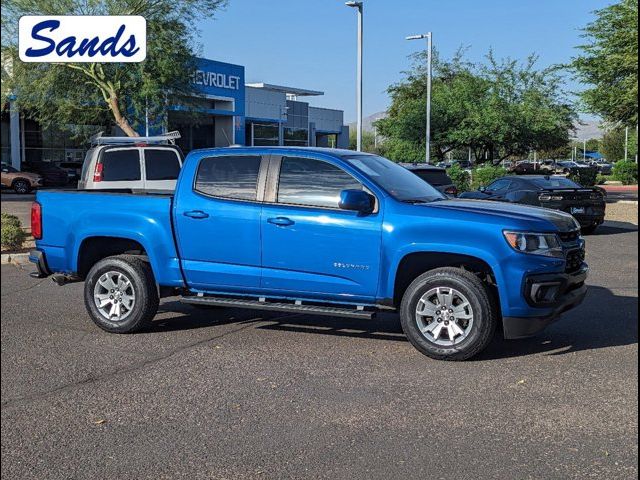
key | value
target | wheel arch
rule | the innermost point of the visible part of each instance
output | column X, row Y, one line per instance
column 413, row 264
column 92, row 249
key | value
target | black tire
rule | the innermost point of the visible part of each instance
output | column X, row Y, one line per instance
column 21, row 186
column 139, row 272
column 481, row 301
column 590, row 230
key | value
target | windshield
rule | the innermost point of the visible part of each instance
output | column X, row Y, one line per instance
column 9, row 168
column 399, row 182
column 555, row 182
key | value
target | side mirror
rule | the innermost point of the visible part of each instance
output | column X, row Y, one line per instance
column 482, row 189
column 356, row 200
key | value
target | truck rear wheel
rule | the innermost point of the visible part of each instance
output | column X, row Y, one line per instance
column 448, row 314
column 120, row 294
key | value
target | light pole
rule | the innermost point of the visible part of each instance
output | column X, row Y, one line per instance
column 584, row 150
column 626, row 144
column 358, row 5
column 429, row 37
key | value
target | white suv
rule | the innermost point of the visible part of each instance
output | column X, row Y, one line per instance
column 119, row 163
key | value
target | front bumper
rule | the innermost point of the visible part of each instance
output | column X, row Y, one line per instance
column 552, row 293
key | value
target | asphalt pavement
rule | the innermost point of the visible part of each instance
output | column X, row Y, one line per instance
column 232, row 394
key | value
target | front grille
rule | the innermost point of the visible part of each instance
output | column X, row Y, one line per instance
column 575, row 258
column 569, row 237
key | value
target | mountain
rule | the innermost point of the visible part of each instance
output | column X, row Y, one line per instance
column 588, row 129
column 367, row 122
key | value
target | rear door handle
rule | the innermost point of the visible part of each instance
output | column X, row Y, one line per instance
column 197, row 214
column 281, row 221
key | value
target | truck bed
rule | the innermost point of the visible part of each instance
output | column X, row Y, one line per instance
column 69, row 218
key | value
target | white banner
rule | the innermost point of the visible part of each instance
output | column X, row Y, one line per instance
column 82, row 39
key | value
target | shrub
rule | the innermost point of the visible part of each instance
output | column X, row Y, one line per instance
column 13, row 235
column 10, row 220
column 586, row 177
column 626, row 172
column 460, row 178
column 484, row 175
column 601, row 179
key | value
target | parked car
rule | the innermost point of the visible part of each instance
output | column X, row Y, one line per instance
column 464, row 164
column 51, row 174
column 19, row 182
column 604, row 167
column 142, row 165
column 587, row 205
column 435, row 176
column 316, row 231
column 567, row 166
column 531, row 168
column 73, row 170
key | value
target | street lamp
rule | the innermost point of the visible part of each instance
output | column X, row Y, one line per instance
column 358, row 5
column 429, row 37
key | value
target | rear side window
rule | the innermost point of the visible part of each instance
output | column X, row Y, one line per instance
column 555, row 182
column 120, row 165
column 304, row 181
column 233, row 177
column 435, row 178
column 161, row 164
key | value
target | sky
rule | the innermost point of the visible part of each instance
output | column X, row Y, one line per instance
column 312, row 43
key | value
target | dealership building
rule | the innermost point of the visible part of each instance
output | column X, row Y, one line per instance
column 223, row 111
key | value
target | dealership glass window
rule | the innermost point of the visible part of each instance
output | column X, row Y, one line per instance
column 161, row 164
column 120, row 165
column 296, row 137
column 5, row 142
column 305, row 181
column 230, row 176
column 264, row 134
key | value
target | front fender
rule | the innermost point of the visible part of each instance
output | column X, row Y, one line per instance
column 466, row 250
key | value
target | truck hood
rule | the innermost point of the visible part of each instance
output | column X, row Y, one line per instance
column 510, row 211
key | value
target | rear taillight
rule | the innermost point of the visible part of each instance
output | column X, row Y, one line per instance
column 451, row 191
column 97, row 173
column 545, row 197
column 36, row 220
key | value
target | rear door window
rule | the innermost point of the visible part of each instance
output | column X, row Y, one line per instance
column 161, row 164
column 121, row 165
column 232, row 176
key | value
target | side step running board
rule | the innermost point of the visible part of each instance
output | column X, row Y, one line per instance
column 280, row 307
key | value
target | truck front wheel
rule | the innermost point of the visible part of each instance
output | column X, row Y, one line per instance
column 448, row 314
column 120, row 294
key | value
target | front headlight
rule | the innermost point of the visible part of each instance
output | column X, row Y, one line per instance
column 546, row 244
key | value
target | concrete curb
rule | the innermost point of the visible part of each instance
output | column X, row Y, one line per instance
column 15, row 258
column 626, row 202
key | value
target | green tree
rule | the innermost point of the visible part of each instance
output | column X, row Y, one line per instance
column 609, row 62
column 612, row 145
column 368, row 141
column 499, row 109
column 95, row 93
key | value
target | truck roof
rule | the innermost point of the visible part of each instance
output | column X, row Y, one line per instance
column 331, row 151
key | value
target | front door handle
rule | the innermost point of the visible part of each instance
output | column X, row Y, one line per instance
column 197, row 214
column 281, row 221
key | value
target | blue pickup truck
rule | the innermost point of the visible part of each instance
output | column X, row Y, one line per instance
column 317, row 231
